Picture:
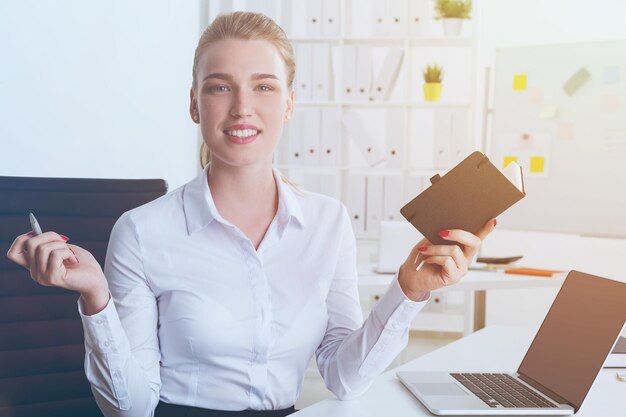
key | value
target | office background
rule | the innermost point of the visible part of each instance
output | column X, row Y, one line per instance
column 91, row 89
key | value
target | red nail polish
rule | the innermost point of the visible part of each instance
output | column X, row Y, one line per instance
column 495, row 222
column 444, row 233
column 422, row 249
column 65, row 238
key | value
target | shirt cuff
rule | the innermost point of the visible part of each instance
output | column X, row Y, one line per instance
column 395, row 310
column 103, row 330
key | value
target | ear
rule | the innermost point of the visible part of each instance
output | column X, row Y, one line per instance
column 193, row 106
column 290, row 105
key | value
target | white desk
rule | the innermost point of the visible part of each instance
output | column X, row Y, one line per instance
column 475, row 282
column 491, row 349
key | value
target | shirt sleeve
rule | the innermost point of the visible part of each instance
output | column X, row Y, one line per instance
column 352, row 352
column 121, row 342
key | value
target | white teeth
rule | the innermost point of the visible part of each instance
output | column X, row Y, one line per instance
column 242, row 133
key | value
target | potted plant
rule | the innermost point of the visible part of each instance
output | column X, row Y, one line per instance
column 433, row 75
column 452, row 12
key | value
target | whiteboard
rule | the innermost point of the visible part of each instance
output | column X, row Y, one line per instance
column 580, row 184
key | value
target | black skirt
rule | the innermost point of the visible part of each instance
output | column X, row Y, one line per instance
column 171, row 410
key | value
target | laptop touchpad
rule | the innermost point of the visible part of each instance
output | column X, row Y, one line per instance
column 447, row 388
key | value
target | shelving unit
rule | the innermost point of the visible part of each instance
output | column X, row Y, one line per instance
column 406, row 98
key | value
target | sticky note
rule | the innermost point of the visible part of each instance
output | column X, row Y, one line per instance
column 609, row 103
column 576, row 81
column 565, row 130
column 509, row 159
column 548, row 112
column 535, row 95
column 536, row 163
column 610, row 75
column 519, row 82
column 525, row 141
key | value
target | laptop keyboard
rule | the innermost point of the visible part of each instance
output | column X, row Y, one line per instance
column 503, row 390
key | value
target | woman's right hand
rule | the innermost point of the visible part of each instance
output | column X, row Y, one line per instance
column 53, row 262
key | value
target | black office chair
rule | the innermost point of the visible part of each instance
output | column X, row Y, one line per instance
column 41, row 336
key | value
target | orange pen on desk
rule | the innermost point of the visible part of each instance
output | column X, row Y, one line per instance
column 532, row 271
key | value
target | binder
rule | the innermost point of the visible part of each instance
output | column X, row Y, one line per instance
column 329, row 141
column 396, row 17
column 330, row 17
column 314, row 18
column 393, row 196
column 304, row 55
column 296, row 138
column 348, row 74
column 363, row 72
column 385, row 82
column 374, row 204
column 395, row 127
column 355, row 203
column 380, row 23
column 422, row 145
column 418, row 17
column 311, row 136
column 320, row 79
column 466, row 197
column 367, row 144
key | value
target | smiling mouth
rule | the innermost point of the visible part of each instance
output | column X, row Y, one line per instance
column 242, row 133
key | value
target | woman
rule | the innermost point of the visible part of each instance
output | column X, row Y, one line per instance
column 225, row 288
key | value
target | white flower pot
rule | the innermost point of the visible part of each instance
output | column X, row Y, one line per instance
column 452, row 26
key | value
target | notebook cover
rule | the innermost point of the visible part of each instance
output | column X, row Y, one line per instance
column 471, row 193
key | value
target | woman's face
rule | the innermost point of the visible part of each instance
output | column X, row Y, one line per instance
column 242, row 100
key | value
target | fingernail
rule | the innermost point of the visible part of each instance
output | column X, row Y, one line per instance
column 31, row 233
column 495, row 222
column 65, row 238
column 444, row 233
column 422, row 249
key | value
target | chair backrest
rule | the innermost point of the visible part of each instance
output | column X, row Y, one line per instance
column 41, row 336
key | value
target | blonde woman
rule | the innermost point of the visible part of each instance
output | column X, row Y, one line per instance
column 215, row 297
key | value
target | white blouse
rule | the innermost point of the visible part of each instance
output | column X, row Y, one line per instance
column 201, row 318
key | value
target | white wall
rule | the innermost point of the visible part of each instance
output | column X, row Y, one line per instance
column 506, row 23
column 98, row 89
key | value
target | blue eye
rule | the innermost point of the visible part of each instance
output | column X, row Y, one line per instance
column 219, row 88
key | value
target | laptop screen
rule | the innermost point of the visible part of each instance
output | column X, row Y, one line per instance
column 576, row 336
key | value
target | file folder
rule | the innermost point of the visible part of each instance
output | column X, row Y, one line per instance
column 470, row 194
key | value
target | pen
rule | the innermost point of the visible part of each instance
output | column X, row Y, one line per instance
column 34, row 224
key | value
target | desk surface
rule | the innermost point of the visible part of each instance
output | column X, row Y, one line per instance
column 474, row 280
column 492, row 349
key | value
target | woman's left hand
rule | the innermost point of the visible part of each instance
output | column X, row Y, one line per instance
column 443, row 264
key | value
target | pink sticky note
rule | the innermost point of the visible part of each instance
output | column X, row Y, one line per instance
column 609, row 103
column 565, row 130
column 525, row 141
column 535, row 95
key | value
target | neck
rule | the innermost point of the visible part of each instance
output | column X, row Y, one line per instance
column 243, row 191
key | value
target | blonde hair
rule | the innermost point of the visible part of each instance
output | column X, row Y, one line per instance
column 244, row 26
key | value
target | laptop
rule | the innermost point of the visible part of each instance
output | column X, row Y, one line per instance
column 559, row 368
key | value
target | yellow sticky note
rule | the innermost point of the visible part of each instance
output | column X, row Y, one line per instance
column 536, row 163
column 509, row 159
column 519, row 82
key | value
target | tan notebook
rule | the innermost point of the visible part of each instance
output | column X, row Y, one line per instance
column 466, row 197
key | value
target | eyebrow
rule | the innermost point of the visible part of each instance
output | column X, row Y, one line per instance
column 228, row 77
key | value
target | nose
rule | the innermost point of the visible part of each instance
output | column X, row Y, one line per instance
column 242, row 105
